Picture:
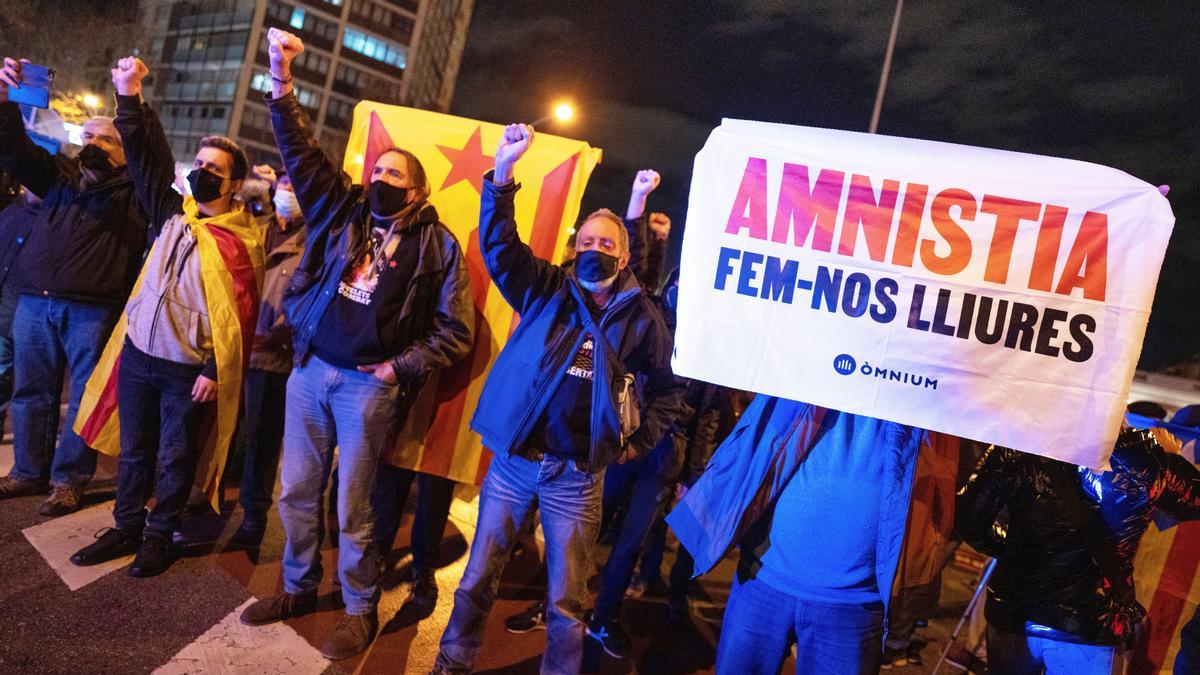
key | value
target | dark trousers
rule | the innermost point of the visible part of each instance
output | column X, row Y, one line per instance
column 8, row 307
column 643, row 494
column 160, row 425
column 434, row 495
column 262, row 439
column 1188, row 660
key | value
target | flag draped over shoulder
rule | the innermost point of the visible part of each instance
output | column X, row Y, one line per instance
column 231, row 260
column 553, row 174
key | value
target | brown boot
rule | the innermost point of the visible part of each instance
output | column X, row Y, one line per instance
column 11, row 486
column 63, row 499
column 352, row 635
column 278, row 608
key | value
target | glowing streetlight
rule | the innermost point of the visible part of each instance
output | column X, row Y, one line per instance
column 564, row 112
column 91, row 100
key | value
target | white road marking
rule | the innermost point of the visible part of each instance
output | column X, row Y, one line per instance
column 58, row 539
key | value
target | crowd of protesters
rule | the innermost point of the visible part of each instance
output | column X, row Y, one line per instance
column 307, row 312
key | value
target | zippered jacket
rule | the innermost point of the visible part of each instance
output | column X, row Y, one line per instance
column 534, row 360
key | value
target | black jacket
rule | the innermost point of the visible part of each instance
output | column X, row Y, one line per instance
column 16, row 224
column 89, row 242
column 437, row 312
column 1046, row 574
column 533, row 361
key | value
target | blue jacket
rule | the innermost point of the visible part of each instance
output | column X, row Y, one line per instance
column 533, row 361
column 755, row 464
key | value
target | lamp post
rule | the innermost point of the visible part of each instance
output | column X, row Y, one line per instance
column 887, row 67
column 563, row 112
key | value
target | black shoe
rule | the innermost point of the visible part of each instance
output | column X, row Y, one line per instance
column 533, row 618
column 248, row 535
column 280, row 607
column 424, row 589
column 611, row 637
column 153, row 558
column 111, row 543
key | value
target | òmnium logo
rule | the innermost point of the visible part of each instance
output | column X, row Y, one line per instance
column 844, row 364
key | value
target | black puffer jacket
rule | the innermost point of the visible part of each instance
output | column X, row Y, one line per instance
column 1046, row 574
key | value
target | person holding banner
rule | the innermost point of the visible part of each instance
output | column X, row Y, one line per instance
column 549, row 409
column 176, row 360
column 380, row 299
column 1061, row 600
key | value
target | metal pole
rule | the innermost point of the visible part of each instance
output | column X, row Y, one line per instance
column 979, row 590
column 887, row 67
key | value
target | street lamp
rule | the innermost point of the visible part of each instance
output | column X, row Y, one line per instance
column 563, row 112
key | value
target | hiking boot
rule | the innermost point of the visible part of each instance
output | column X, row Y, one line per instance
column 533, row 618
column 611, row 637
column 11, row 486
column 111, row 543
column 280, row 607
column 424, row 589
column 63, row 499
column 153, row 557
column 351, row 636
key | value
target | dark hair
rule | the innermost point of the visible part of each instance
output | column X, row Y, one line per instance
column 241, row 166
column 416, row 170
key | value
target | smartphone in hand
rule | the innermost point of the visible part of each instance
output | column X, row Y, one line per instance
column 35, row 86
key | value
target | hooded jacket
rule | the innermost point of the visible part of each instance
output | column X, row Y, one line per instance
column 437, row 312
column 533, row 362
column 88, row 242
column 1046, row 576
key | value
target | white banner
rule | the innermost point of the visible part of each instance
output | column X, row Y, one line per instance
column 993, row 295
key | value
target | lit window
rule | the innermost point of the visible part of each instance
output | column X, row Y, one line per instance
column 297, row 20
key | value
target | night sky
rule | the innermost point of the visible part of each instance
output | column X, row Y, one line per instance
column 1105, row 82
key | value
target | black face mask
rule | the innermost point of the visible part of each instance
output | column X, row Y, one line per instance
column 386, row 199
column 592, row 265
column 94, row 158
column 206, row 185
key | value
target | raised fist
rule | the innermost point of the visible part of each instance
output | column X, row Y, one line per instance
column 10, row 76
column 660, row 225
column 127, row 76
column 284, row 47
column 515, row 140
column 645, row 182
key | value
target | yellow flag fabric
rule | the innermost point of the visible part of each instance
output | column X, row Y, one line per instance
column 231, row 262
column 456, row 152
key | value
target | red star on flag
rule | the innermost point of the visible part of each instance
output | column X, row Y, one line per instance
column 468, row 163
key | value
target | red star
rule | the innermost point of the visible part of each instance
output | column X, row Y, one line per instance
column 468, row 163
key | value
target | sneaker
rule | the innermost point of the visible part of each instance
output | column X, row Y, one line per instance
column 424, row 589
column 611, row 637
column 153, row 557
column 63, row 499
column 11, row 486
column 351, row 636
column 280, row 607
column 533, row 618
column 111, row 543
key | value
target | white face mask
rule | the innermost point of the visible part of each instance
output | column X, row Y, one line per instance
column 286, row 204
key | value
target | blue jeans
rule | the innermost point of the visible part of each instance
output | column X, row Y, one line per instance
column 761, row 623
column 262, row 439
column 569, row 502
column 1013, row 654
column 8, row 307
column 434, row 494
column 329, row 406
column 641, row 495
column 53, row 336
column 160, row 425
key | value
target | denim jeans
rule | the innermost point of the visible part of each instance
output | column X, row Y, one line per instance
column 761, row 623
column 262, row 439
column 1013, row 654
column 329, row 406
column 160, row 425
column 429, row 524
column 54, row 336
column 641, row 495
column 568, row 500
column 8, row 307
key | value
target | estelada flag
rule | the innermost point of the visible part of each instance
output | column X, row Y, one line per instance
column 1166, row 576
column 231, row 262
column 456, row 152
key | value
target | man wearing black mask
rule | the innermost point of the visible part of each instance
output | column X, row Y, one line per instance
column 74, row 276
column 381, row 298
column 549, row 410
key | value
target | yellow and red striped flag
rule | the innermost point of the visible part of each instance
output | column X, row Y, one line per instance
column 231, row 262
column 455, row 152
